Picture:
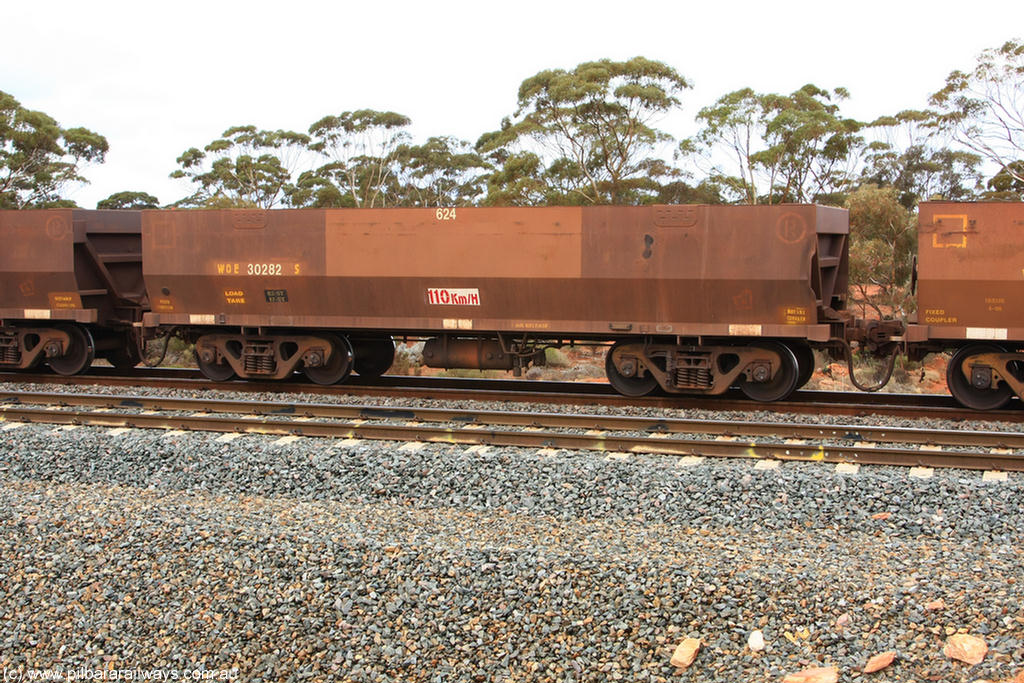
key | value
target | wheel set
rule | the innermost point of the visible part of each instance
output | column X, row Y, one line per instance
column 324, row 358
column 978, row 376
column 764, row 371
column 79, row 354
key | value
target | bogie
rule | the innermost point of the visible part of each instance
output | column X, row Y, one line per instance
column 766, row 371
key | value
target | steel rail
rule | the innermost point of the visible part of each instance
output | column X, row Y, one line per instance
column 733, row 428
column 602, row 442
column 514, row 386
column 582, row 393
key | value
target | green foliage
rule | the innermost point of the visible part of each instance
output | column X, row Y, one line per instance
column 555, row 358
column 679, row 192
column 38, row 158
column 883, row 242
column 441, row 172
column 579, row 137
column 179, row 354
column 734, row 127
column 769, row 148
column 984, row 109
column 1007, row 184
column 905, row 157
column 245, row 167
column 519, row 181
column 360, row 150
column 585, row 136
column 129, row 200
column 372, row 162
column 315, row 190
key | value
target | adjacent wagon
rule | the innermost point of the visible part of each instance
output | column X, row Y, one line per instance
column 71, row 288
column 970, row 294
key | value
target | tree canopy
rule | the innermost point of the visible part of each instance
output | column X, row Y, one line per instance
column 597, row 133
column 443, row 171
column 883, row 242
column 39, row 159
column 245, row 167
column 1007, row 184
column 129, row 200
column 909, row 157
column 770, row 148
column 590, row 129
column 358, row 154
column 983, row 109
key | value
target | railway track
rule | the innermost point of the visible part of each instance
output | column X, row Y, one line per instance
column 860, row 444
column 568, row 393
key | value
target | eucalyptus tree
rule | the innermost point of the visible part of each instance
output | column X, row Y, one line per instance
column 245, row 167
column 39, row 159
column 590, row 130
column 517, row 180
column 1007, row 184
column 771, row 148
column 733, row 133
column 358, row 153
column 812, row 145
column 883, row 243
column 908, row 154
column 984, row 109
column 129, row 200
column 679, row 191
column 443, row 171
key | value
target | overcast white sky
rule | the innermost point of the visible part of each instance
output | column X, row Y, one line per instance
column 159, row 77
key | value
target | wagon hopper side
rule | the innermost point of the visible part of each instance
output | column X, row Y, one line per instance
column 71, row 288
column 970, row 288
column 696, row 297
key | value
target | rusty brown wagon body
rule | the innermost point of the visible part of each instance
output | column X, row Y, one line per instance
column 970, row 292
column 71, row 287
column 688, row 270
column 491, row 286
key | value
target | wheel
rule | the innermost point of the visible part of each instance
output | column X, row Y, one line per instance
column 337, row 368
column 784, row 382
column 804, row 361
column 373, row 356
column 627, row 386
column 967, row 394
column 218, row 372
column 79, row 355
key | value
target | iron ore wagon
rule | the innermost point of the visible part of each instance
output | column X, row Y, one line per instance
column 970, row 297
column 71, row 288
column 693, row 298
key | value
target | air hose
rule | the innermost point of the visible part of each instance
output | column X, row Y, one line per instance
column 890, row 365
